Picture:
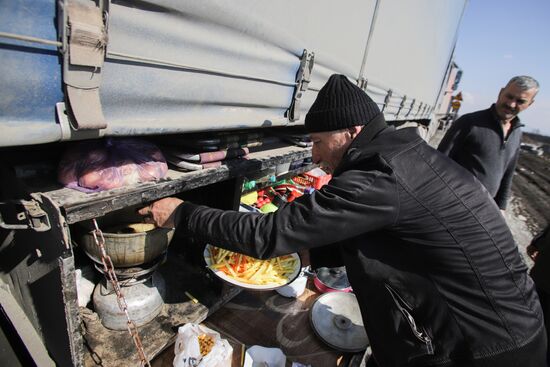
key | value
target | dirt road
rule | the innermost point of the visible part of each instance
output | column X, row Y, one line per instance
column 530, row 204
column 531, row 186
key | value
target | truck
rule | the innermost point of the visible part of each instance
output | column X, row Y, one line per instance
column 82, row 70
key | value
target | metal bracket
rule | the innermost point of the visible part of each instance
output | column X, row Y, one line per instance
column 362, row 83
column 426, row 106
column 401, row 105
column 26, row 214
column 387, row 99
column 411, row 107
column 419, row 109
column 302, row 83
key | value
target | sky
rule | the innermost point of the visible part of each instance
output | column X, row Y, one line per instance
column 499, row 39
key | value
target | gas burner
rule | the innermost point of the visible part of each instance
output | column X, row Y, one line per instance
column 135, row 274
column 144, row 302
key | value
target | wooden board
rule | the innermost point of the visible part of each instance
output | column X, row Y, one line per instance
column 270, row 320
column 79, row 206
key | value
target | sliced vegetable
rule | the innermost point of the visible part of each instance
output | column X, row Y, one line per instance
column 249, row 270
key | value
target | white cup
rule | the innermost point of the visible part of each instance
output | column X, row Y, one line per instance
column 295, row 288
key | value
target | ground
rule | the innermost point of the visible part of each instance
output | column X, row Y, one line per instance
column 531, row 188
column 530, row 209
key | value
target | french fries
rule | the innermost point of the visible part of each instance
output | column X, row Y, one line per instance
column 249, row 270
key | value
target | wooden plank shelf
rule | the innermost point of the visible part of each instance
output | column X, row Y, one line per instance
column 78, row 206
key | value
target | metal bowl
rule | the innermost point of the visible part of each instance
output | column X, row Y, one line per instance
column 128, row 249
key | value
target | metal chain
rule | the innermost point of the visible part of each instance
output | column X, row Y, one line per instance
column 110, row 272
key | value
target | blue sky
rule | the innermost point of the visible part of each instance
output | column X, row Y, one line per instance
column 498, row 40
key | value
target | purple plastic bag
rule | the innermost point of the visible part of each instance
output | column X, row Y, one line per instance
column 98, row 165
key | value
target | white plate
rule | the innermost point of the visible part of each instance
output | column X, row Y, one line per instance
column 267, row 287
column 261, row 356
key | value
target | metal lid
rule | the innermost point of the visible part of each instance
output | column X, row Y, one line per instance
column 335, row 278
column 336, row 319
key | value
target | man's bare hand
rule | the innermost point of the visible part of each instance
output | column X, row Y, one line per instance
column 533, row 252
column 161, row 212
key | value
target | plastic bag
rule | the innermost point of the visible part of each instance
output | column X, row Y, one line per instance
column 98, row 165
column 187, row 348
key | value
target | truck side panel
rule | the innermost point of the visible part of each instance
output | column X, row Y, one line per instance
column 184, row 66
column 30, row 74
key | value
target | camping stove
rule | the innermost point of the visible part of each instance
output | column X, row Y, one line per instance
column 143, row 289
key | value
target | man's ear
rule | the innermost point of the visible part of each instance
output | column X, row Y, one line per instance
column 354, row 131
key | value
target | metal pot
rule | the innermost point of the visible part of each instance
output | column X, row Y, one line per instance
column 129, row 249
column 331, row 280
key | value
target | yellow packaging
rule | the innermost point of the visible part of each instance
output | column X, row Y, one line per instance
column 249, row 198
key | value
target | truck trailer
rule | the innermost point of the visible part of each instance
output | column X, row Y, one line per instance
column 76, row 71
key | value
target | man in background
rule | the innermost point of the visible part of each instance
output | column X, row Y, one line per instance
column 487, row 142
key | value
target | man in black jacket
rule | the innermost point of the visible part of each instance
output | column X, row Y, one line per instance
column 435, row 269
column 487, row 142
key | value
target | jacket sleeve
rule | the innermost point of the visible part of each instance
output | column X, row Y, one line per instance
column 329, row 256
column 505, row 188
column 454, row 137
column 351, row 204
column 542, row 240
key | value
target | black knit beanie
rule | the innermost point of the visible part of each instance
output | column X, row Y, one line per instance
column 340, row 104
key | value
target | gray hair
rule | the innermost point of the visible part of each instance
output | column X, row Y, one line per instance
column 525, row 82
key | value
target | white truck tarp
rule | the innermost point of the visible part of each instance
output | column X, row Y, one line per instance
column 175, row 66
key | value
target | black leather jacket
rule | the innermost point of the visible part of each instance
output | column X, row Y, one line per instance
column 434, row 266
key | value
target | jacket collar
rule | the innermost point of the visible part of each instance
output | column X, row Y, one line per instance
column 370, row 131
column 367, row 134
column 516, row 122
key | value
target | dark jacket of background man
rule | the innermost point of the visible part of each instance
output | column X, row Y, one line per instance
column 487, row 142
column 476, row 142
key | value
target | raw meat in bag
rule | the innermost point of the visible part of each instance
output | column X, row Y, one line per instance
column 105, row 164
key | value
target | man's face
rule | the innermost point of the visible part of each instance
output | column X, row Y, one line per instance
column 512, row 100
column 329, row 147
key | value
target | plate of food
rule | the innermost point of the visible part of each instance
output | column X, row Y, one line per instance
column 250, row 273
